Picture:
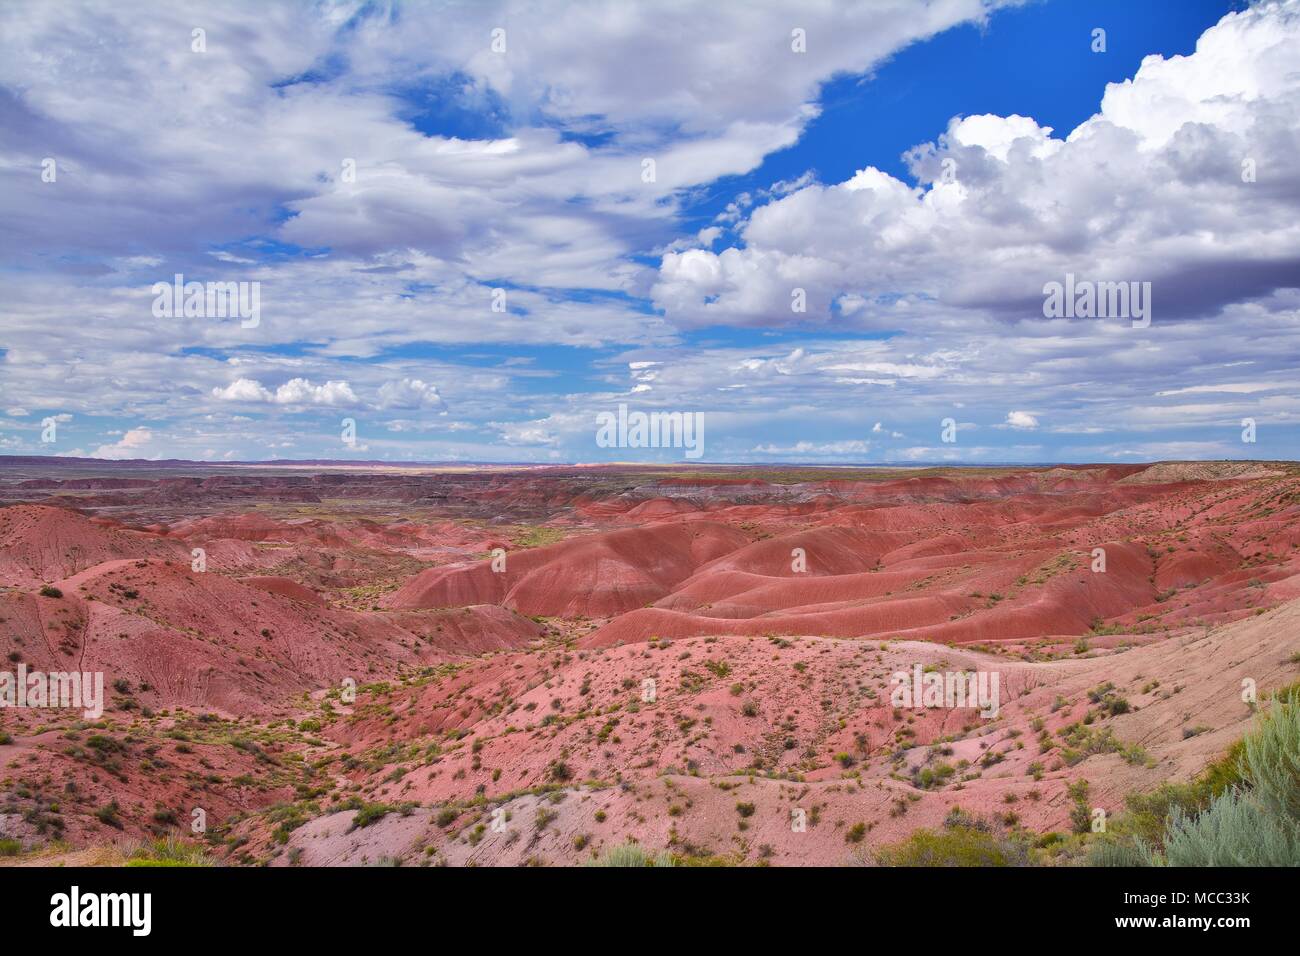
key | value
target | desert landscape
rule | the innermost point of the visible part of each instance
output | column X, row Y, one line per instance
column 313, row 664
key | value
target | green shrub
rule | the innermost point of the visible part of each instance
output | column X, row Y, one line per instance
column 447, row 816
column 1243, row 810
column 1235, row 831
column 1117, row 852
column 169, row 852
column 107, row 815
column 959, row 845
column 1271, row 760
column 369, row 813
column 629, row 854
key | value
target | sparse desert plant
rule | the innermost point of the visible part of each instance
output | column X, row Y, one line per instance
column 168, row 852
column 960, row 844
column 1116, row 852
column 369, row 813
column 107, row 815
column 630, row 854
column 447, row 816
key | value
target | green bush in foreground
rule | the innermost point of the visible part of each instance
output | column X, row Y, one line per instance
column 1234, row 831
column 168, row 852
column 959, row 844
column 1242, row 811
column 629, row 854
column 1272, row 760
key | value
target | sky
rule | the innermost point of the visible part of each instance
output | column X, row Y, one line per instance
column 825, row 232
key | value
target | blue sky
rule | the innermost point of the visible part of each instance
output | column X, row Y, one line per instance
column 383, row 175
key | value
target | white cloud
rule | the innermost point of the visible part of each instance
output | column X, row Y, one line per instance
column 408, row 393
column 296, row 391
column 242, row 390
column 1021, row 420
column 299, row 391
column 130, row 445
column 1148, row 189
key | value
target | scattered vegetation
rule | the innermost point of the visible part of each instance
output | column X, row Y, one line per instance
column 630, row 854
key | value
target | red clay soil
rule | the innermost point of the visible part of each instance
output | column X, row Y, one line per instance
column 592, row 576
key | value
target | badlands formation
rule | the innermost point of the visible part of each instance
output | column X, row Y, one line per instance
column 347, row 666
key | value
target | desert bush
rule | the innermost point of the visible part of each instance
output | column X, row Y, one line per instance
column 369, row 813
column 956, row 845
column 107, row 815
column 1243, row 810
column 1117, row 852
column 629, row 854
column 168, row 852
column 1235, row 831
column 1271, row 760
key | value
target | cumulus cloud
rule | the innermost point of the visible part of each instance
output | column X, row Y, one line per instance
column 408, row 393
column 1150, row 188
column 315, row 85
column 130, row 445
column 299, row 391
column 296, row 391
column 243, row 390
column 1021, row 420
column 527, row 433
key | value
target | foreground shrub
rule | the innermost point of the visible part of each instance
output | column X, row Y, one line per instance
column 1235, row 831
column 1242, row 811
column 963, row 841
column 1272, row 760
column 629, row 854
column 1117, row 852
column 168, row 852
